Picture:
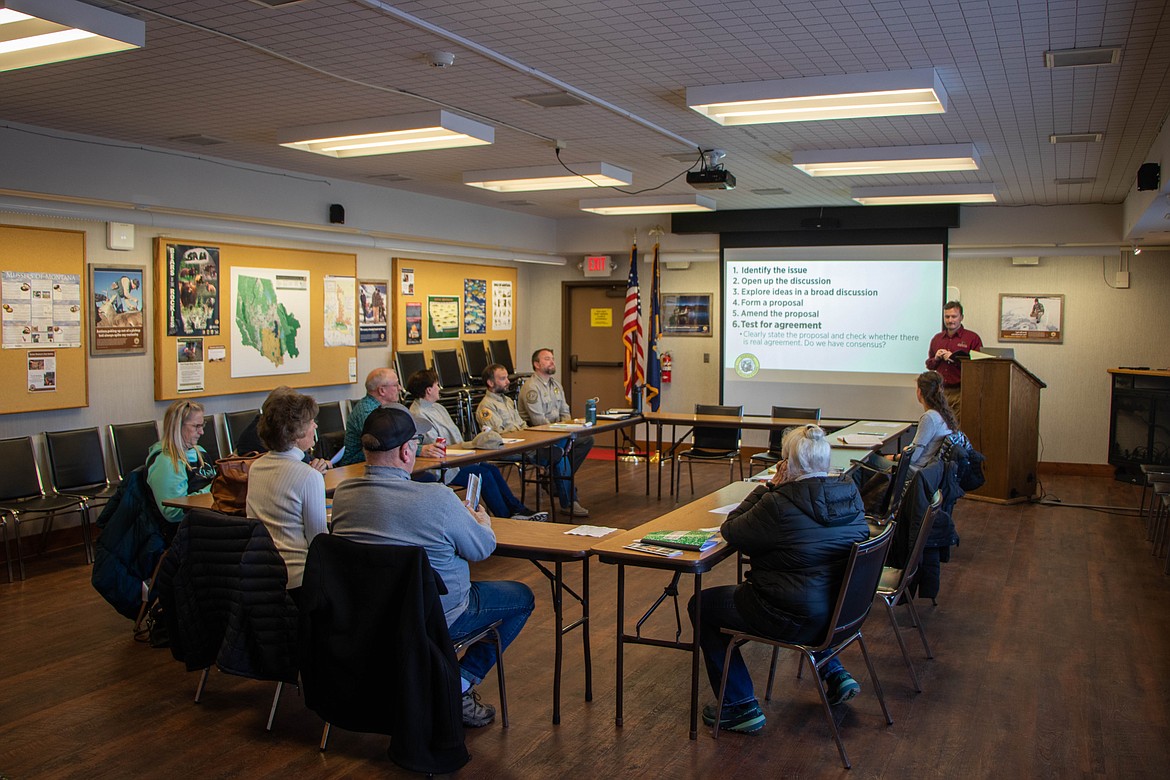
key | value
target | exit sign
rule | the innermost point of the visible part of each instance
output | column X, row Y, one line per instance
column 596, row 265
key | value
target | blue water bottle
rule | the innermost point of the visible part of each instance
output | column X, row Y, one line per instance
column 591, row 411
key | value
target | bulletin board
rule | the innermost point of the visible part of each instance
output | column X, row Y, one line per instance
column 27, row 249
column 454, row 302
column 271, row 338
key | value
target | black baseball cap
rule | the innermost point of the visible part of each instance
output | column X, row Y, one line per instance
column 388, row 429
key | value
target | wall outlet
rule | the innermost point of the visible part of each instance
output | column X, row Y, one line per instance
column 1121, row 280
column 706, row 357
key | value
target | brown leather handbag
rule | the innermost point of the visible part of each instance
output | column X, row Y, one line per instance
column 229, row 489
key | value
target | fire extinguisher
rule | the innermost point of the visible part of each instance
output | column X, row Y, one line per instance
column 667, row 364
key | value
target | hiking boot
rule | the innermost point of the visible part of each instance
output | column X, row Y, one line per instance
column 841, row 687
column 577, row 510
column 535, row 517
column 745, row 718
column 475, row 712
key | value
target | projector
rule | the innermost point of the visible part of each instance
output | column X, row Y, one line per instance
column 711, row 179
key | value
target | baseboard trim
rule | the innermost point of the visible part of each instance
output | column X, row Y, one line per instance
column 1075, row 469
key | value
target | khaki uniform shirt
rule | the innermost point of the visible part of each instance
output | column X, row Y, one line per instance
column 499, row 412
column 542, row 401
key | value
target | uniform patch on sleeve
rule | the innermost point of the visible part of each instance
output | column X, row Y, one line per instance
column 484, row 413
column 531, row 396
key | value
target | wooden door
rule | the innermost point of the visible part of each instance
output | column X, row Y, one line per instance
column 591, row 366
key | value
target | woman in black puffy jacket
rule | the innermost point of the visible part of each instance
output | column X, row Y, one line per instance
column 798, row 530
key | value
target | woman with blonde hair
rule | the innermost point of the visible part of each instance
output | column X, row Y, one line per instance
column 175, row 465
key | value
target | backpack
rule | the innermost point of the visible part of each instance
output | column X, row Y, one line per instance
column 968, row 460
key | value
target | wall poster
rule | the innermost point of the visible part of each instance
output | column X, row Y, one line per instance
column 340, row 302
column 117, row 319
column 192, row 290
column 40, row 309
column 474, row 306
column 442, row 316
column 272, row 322
column 1031, row 317
column 372, row 313
column 42, row 371
column 501, row 305
column 414, row 323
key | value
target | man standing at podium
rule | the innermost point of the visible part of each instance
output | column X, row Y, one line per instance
column 947, row 346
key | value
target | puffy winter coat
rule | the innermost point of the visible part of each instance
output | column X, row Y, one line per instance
column 799, row 536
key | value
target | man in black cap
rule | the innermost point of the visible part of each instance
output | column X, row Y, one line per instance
column 385, row 507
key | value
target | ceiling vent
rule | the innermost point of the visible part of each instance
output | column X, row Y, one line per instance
column 389, row 177
column 276, row 3
column 773, row 191
column 197, row 140
column 1082, row 58
column 552, row 100
column 1076, row 138
column 1088, row 180
column 519, row 203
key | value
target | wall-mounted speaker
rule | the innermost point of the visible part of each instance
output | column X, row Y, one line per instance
column 337, row 214
column 1149, row 176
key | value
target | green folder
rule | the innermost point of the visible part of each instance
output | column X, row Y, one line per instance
column 683, row 540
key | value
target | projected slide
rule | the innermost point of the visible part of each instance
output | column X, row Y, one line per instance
column 809, row 323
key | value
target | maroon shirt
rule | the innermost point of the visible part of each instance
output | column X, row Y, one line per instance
column 962, row 342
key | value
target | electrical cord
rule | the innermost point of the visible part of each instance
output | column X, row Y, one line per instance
column 629, row 192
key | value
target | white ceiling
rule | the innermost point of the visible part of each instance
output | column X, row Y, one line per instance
column 640, row 55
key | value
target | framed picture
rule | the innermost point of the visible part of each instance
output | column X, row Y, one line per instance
column 686, row 314
column 117, row 321
column 372, row 323
column 1031, row 317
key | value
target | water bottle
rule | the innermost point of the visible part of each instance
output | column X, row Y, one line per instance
column 591, row 411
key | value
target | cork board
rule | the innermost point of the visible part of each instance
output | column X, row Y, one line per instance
column 290, row 352
column 452, row 301
column 28, row 249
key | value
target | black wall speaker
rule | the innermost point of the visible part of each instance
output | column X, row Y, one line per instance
column 337, row 214
column 1149, row 176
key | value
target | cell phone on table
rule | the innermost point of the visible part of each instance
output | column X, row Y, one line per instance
column 471, row 496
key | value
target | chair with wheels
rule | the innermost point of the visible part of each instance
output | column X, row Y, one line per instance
column 894, row 586
column 77, row 466
column 23, row 496
column 131, row 442
column 712, row 444
column 772, row 456
column 859, row 584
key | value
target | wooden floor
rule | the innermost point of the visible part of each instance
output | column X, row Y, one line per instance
column 1051, row 637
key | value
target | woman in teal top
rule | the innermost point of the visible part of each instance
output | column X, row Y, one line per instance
column 175, row 465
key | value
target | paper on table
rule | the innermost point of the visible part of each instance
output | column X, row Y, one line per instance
column 890, row 425
column 724, row 510
column 864, row 439
column 590, row 530
column 451, row 452
column 512, row 441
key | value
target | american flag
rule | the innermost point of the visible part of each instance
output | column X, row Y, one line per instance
column 635, row 363
column 653, row 365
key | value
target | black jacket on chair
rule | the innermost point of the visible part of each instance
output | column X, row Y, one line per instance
column 375, row 652
column 223, row 591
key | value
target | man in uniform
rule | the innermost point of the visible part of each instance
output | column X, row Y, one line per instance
column 498, row 412
column 542, row 401
column 947, row 346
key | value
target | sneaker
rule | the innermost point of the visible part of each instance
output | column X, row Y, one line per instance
column 475, row 712
column 841, row 687
column 743, row 718
column 578, row 511
column 535, row 517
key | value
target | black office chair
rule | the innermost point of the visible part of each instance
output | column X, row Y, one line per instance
column 456, row 384
column 77, row 466
column 895, row 474
column 859, row 584
column 235, row 423
column 475, row 360
column 501, row 352
column 131, row 442
column 407, row 362
column 23, row 497
column 894, row 586
column 209, row 441
column 773, row 456
column 709, row 444
column 330, row 429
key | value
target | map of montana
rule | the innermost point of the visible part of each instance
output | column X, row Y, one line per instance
column 263, row 322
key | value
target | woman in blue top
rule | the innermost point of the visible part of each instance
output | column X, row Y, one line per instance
column 175, row 465
column 937, row 421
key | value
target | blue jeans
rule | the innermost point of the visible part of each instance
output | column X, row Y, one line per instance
column 562, row 469
column 511, row 602
column 719, row 612
column 494, row 491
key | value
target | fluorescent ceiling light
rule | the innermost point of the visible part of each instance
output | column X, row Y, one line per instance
column 549, row 177
column 894, row 93
column 889, row 159
column 37, row 32
column 388, row 135
column 900, row 196
column 648, row 204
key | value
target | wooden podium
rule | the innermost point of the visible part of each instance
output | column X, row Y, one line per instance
column 1000, row 413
